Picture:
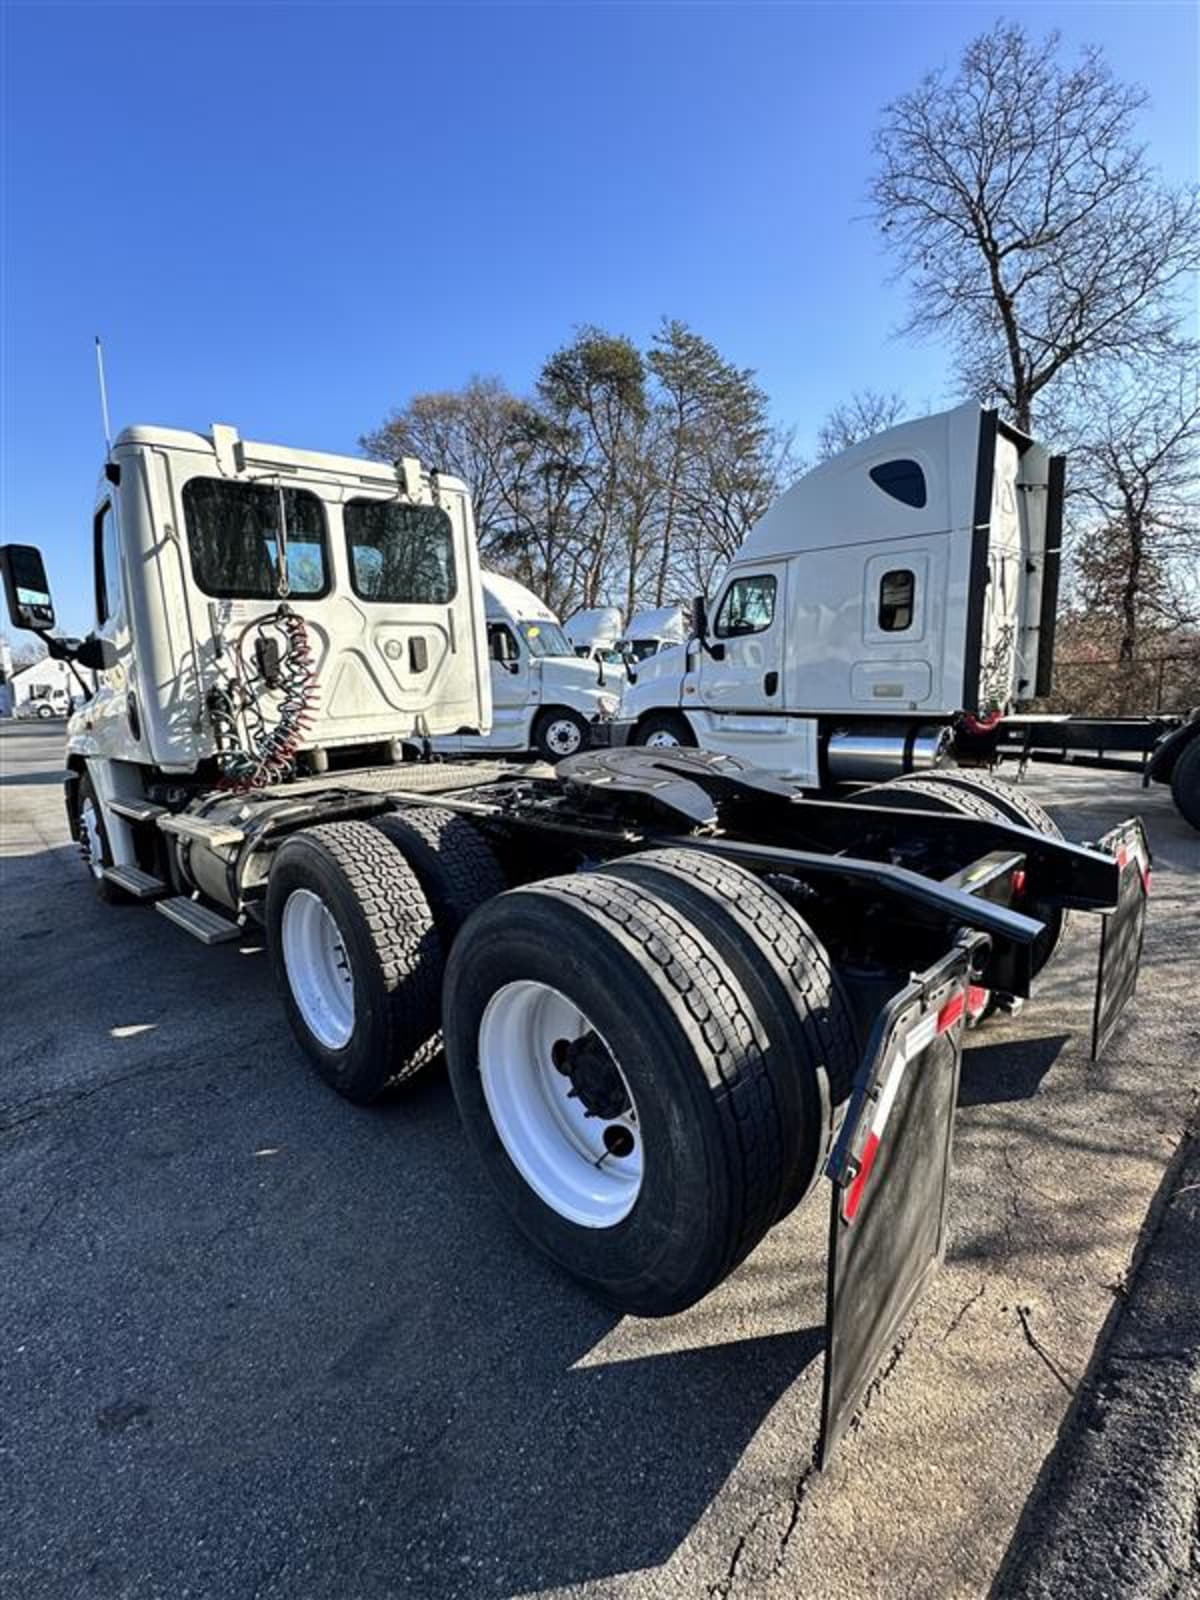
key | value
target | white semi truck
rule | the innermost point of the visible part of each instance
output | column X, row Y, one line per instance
column 893, row 609
column 545, row 697
column 673, row 992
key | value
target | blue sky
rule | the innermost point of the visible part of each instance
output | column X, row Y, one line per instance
column 292, row 217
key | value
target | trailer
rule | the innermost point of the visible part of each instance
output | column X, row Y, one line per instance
column 674, row 991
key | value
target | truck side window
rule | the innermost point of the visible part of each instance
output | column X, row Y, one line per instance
column 233, row 536
column 748, row 607
column 501, row 644
column 897, row 591
column 903, row 480
column 108, row 564
column 400, row 552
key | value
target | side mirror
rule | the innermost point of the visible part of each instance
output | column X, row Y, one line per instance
column 716, row 652
column 26, row 587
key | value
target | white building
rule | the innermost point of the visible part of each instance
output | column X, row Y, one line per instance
column 46, row 682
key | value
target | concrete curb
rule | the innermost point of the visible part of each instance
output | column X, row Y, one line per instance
column 1116, row 1512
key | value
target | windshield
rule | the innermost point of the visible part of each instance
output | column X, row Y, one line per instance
column 545, row 639
column 640, row 649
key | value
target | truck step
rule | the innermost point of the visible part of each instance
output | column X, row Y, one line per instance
column 136, row 810
column 209, row 926
column 216, row 835
column 141, row 885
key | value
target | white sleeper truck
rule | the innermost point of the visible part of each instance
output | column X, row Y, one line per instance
column 673, row 991
column 893, row 610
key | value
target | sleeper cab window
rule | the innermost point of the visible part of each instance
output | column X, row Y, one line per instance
column 897, row 595
column 903, row 480
column 748, row 607
column 233, row 537
column 400, row 553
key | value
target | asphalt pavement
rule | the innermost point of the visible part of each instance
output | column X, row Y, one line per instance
column 257, row 1342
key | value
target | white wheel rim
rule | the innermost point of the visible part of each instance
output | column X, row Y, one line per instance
column 93, row 848
column 587, row 1168
column 662, row 740
column 563, row 736
column 318, row 968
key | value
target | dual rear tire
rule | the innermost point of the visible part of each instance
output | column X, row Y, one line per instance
column 648, row 1081
column 649, row 1059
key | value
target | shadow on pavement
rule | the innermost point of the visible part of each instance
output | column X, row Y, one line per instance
column 1012, row 1069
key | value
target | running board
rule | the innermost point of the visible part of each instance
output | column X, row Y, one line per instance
column 141, row 885
column 209, row 926
column 216, row 835
column 136, row 810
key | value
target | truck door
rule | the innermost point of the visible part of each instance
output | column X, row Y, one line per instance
column 114, row 710
column 511, row 673
column 735, row 691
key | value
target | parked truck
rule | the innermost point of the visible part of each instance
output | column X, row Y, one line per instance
column 672, row 990
column 546, row 698
column 893, row 611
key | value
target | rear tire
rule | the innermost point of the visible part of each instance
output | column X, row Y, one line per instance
column 453, row 863
column 1185, row 783
column 665, row 730
column 356, row 956
column 652, row 997
column 984, row 797
column 785, row 972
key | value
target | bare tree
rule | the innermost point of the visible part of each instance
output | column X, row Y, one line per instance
column 868, row 411
column 468, row 432
column 1027, row 220
column 1138, row 475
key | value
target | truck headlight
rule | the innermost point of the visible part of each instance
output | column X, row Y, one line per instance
column 608, row 704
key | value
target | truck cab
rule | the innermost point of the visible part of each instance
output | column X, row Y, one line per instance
column 909, row 580
column 545, row 697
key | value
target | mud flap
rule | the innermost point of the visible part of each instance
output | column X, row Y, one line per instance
column 890, row 1173
column 1121, row 930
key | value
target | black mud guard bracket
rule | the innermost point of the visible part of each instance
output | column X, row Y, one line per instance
column 1121, row 930
column 890, row 1174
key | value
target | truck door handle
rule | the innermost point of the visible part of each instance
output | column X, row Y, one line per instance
column 770, row 682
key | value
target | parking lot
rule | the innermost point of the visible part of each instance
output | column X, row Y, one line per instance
column 258, row 1342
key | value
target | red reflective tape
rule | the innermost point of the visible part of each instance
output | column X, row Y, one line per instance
column 951, row 1011
column 1018, row 881
column 854, row 1195
column 977, row 999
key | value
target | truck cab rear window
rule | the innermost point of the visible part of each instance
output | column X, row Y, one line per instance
column 233, row 537
column 897, row 592
column 400, row 552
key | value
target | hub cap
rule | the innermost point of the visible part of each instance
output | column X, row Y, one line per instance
column 662, row 740
column 563, row 736
column 318, row 968
column 560, row 1104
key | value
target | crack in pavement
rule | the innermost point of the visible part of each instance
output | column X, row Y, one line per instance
column 964, row 1308
column 62, row 1100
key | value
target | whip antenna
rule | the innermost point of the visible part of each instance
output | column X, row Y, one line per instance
column 103, row 396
